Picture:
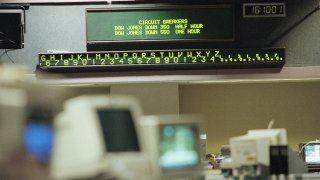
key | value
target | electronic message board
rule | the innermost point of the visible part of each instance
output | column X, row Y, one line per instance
column 165, row 59
column 160, row 23
column 184, row 35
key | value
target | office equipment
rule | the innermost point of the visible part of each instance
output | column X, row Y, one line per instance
column 173, row 145
column 261, row 153
column 150, row 25
column 191, row 25
column 184, row 23
column 133, row 29
column 250, row 152
column 276, row 136
column 310, row 152
column 163, row 59
column 256, row 10
column 203, row 146
column 11, row 28
column 283, row 161
column 15, row 162
column 98, row 134
column 13, row 102
column 37, row 105
column 23, row 105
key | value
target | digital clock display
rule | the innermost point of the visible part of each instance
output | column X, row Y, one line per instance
column 166, row 59
column 264, row 10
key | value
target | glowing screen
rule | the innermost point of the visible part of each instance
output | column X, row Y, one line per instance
column 312, row 153
column 118, row 130
column 161, row 23
column 264, row 10
column 38, row 140
column 174, row 58
column 179, row 147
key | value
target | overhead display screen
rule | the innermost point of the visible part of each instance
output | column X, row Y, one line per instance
column 161, row 23
column 166, row 59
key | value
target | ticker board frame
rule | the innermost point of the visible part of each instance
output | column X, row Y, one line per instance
column 170, row 66
column 160, row 7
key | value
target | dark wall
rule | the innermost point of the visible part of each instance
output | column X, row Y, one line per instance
column 303, row 42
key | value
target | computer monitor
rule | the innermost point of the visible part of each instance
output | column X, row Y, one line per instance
column 39, row 134
column 311, row 153
column 252, row 150
column 113, row 120
column 173, row 145
column 94, row 134
column 276, row 136
column 11, row 28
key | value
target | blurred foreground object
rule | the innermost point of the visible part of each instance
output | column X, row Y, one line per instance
column 99, row 134
column 20, row 100
column 261, row 153
column 173, row 146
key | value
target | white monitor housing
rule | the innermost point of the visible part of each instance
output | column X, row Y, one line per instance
column 13, row 103
column 253, row 149
column 97, row 134
column 276, row 136
column 173, row 145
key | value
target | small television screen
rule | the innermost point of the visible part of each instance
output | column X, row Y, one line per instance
column 312, row 153
column 179, row 147
column 11, row 29
column 39, row 134
column 39, row 140
column 119, row 132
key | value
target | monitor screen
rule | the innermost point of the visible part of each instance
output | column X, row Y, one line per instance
column 312, row 153
column 202, row 23
column 179, row 147
column 119, row 132
column 39, row 134
column 39, row 140
column 11, row 29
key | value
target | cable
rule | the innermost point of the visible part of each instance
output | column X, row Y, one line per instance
column 270, row 124
column 2, row 54
column 310, row 142
column 6, row 52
